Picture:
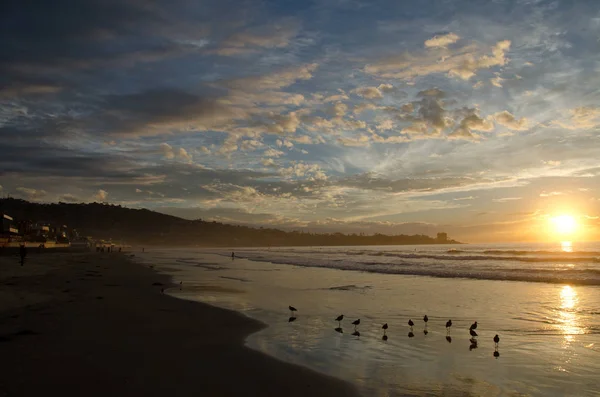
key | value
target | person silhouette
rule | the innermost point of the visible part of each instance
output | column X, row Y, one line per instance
column 22, row 253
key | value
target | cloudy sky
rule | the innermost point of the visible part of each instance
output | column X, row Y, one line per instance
column 480, row 119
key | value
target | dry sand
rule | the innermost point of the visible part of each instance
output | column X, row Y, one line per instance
column 95, row 325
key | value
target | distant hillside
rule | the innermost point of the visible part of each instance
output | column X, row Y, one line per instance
column 142, row 226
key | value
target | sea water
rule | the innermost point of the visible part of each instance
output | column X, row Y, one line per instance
column 542, row 300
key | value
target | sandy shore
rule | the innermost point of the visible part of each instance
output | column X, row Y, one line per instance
column 95, row 325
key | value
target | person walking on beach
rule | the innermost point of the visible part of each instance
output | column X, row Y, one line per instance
column 22, row 253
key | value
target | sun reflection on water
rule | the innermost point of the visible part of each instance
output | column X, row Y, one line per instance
column 566, row 246
column 568, row 321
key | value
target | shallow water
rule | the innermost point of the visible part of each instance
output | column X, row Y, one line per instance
column 550, row 332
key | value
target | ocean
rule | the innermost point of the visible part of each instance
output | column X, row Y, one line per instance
column 543, row 300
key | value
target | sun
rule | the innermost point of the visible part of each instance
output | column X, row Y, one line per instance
column 564, row 224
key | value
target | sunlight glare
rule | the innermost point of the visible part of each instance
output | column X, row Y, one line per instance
column 564, row 224
column 566, row 246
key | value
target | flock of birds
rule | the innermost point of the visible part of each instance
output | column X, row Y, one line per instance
column 411, row 334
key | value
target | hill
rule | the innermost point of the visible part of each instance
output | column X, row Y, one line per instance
column 142, row 226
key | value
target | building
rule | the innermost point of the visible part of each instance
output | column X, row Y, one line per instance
column 8, row 226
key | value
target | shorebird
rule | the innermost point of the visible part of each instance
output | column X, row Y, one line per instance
column 355, row 323
column 339, row 320
column 426, row 319
column 384, row 328
column 496, row 340
column 473, row 333
column 473, row 326
column 292, row 310
column 448, row 325
column 410, row 324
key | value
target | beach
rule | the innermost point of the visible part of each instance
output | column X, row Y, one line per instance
column 97, row 324
column 541, row 300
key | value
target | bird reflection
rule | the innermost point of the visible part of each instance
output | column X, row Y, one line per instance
column 410, row 334
column 384, row 338
column 496, row 354
column 425, row 331
column 449, row 338
column 356, row 333
column 291, row 319
column 340, row 330
column 473, row 344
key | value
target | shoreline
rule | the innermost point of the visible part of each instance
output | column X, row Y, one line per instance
column 88, row 323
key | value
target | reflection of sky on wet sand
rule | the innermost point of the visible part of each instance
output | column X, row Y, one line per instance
column 535, row 358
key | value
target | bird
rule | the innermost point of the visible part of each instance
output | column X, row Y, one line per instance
column 355, row 323
column 384, row 327
column 473, row 333
column 339, row 320
column 473, row 326
column 448, row 325
column 410, row 323
column 496, row 340
column 292, row 310
column 426, row 319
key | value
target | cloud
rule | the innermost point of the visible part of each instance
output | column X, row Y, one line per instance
column 167, row 150
column 32, row 194
column 69, row 198
column 471, row 122
column 159, row 112
column 273, row 81
column 509, row 121
column 581, row 117
column 101, row 195
column 250, row 145
column 442, row 41
column 270, row 152
column 268, row 162
column 311, row 172
column 265, row 37
column 497, row 81
column 506, row 199
column 368, row 92
column 183, row 155
column 463, row 63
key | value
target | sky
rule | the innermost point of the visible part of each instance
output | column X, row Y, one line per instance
column 479, row 119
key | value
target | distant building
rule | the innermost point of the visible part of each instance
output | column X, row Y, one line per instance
column 8, row 227
column 442, row 237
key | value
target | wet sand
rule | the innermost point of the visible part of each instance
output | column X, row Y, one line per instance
column 97, row 325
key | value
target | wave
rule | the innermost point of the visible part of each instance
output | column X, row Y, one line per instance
column 557, row 258
column 585, row 276
column 463, row 255
column 350, row 287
